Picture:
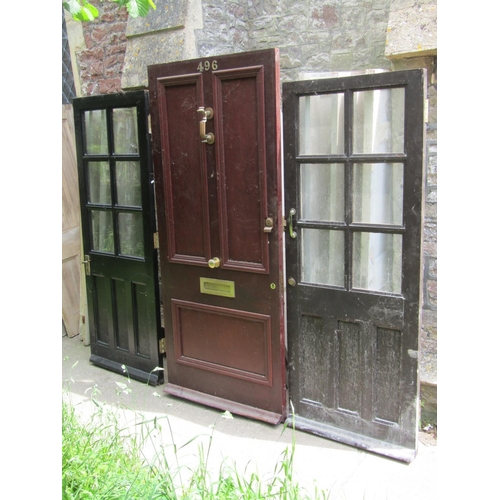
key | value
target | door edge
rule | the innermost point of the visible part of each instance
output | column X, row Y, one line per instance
column 134, row 373
column 224, row 404
column 373, row 445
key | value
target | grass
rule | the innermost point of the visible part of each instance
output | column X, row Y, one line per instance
column 104, row 458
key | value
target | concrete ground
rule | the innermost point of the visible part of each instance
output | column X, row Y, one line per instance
column 343, row 472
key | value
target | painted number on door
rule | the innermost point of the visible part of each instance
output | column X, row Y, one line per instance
column 207, row 65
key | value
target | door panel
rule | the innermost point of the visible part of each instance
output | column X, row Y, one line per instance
column 220, row 230
column 353, row 180
column 117, row 208
column 187, row 194
column 71, row 251
column 241, row 161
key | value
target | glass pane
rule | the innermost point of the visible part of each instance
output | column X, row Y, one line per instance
column 321, row 122
column 323, row 257
column 102, row 231
column 95, row 132
column 131, row 238
column 128, row 183
column 99, row 183
column 378, row 193
column 377, row 262
column 125, row 130
column 322, row 192
column 378, row 125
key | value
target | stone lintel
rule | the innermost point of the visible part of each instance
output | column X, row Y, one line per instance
column 157, row 38
column 411, row 29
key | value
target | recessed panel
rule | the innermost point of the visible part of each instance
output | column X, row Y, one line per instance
column 350, row 367
column 221, row 340
column 387, row 375
column 185, row 170
column 143, row 319
column 242, row 166
column 103, row 309
column 316, row 363
column 121, row 304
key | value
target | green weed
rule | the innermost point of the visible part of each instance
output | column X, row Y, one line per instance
column 105, row 458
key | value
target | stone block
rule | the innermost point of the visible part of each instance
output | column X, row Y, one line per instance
column 412, row 28
column 169, row 14
column 141, row 52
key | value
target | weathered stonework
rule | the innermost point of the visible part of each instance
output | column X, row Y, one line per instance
column 158, row 37
column 412, row 28
column 312, row 36
column 101, row 62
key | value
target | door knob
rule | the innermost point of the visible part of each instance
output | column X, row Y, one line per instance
column 215, row 262
column 206, row 114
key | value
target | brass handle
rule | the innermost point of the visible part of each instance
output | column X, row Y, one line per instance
column 292, row 212
column 213, row 263
column 207, row 114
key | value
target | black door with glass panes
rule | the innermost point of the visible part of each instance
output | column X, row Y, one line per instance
column 353, row 150
column 117, row 209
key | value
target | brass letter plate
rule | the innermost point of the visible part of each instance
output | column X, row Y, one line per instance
column 217, row 287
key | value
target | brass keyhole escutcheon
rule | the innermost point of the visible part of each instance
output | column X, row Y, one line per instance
column 213, row 263
column 269, row 225
column 273, row 286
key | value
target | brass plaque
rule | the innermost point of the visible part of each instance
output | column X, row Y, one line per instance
column 222, row 288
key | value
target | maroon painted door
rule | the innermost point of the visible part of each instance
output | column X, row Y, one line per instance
column 216, row 151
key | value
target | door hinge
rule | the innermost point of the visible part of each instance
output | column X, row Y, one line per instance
column 162, row 346
column 284, row 224
column 156, row 241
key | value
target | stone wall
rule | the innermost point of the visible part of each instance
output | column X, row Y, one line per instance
column 313, row 36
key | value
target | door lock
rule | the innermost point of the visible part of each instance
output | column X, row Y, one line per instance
column 86, row 263
column 269, row 225
column 213, row 263
column 206, row 114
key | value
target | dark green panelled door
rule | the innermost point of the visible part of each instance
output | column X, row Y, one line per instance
column 353, row 181
column 117, row 207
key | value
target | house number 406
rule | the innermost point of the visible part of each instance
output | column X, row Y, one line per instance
column 207, row 65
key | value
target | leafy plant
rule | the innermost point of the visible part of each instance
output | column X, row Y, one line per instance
column 81, row 10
